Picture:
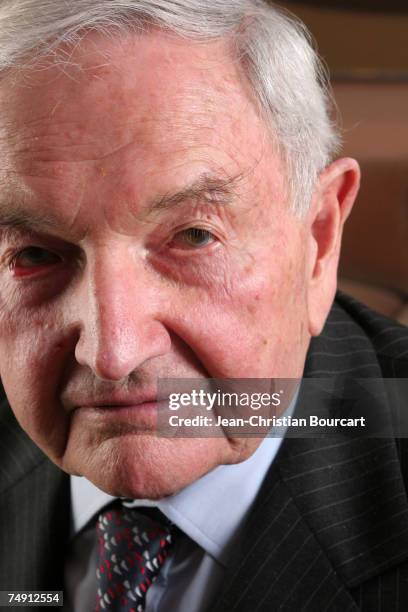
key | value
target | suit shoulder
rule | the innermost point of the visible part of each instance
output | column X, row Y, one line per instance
column 19, row 455
column 388, row 338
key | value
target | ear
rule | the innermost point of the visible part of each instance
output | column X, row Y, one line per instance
column 333, row 198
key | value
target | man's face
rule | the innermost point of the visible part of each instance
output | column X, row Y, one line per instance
column 145, row 234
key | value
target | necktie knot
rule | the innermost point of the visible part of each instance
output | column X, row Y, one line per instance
column 133, row 544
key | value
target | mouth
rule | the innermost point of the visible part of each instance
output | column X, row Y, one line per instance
column 113, row 404
column 108, row 399
column 140, row 413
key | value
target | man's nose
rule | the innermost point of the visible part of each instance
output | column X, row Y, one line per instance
column 116, row 312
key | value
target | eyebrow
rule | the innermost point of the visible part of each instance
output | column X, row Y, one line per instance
column 17, row 217
column 207, row 188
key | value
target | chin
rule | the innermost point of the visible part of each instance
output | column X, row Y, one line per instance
column 140, row 484
column 146, row 467
column 134, row 490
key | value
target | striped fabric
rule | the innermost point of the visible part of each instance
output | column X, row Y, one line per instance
column 328, row 531
column 34, row 512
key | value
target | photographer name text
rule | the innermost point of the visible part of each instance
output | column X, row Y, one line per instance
column 257, row 420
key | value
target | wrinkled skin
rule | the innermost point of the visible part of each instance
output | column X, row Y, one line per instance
column 103, row 287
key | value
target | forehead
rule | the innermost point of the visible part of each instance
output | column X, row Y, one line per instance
column 149, row 108
column 158, row 81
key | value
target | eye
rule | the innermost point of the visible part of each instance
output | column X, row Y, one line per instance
column 31, row 260
column 193, row 237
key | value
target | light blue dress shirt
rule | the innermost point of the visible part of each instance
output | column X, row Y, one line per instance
column 210, row 512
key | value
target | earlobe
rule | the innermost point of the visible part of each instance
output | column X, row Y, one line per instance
column 333, row 200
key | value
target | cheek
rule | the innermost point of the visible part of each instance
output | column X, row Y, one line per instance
column 31, row 340
column 32, row 359
column 251, row 324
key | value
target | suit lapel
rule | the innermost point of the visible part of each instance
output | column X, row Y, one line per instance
column 34, row 513
column 332, row 512
column 280, row 565
column 352, row 496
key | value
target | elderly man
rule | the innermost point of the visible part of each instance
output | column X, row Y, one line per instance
column 170, row 209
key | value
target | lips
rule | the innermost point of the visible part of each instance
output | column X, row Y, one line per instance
column 112, row 403
column 98, row 406
column 107, row 399
column 113, row 417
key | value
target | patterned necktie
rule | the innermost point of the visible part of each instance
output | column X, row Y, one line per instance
column 132, row 549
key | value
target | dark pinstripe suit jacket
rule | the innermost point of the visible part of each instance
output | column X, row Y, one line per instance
column 328, row 531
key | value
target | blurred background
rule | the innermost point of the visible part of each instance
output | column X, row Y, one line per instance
column 365, row 45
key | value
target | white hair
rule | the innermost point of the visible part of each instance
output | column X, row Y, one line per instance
column 288, row 79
